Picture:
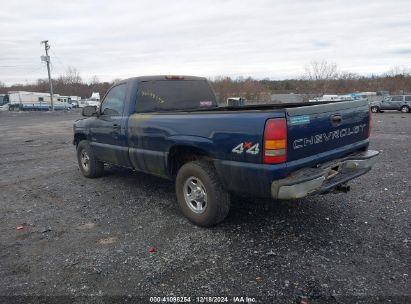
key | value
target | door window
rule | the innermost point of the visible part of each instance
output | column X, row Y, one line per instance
column 114, row 102
column 407, row 98
column 396, row 98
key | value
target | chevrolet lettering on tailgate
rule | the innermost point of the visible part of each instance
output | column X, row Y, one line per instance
column 325, row 137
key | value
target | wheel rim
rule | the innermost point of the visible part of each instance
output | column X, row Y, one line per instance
column 195, row 195
column 374, row 110
column 85, row 160
column 404, row 109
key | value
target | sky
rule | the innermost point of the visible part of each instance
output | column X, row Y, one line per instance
column 262, row 39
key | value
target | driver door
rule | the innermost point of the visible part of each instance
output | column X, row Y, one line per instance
column 108, row 133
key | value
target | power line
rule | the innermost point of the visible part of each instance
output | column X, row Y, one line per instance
column 35, row 69
column 59, row 60
column 17, row 66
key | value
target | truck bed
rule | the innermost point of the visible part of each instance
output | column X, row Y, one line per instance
column 252, row 107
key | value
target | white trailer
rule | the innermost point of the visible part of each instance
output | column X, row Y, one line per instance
column 36, row 101
column 18, row 97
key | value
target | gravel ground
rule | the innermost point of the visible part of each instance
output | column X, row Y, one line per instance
column 63, row 234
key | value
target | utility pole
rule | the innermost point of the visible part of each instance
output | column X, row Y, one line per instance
column 47, row 60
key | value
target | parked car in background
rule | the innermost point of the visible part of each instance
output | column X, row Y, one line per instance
column 396, row 102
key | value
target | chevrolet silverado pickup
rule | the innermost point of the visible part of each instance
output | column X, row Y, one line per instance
column 172, row 127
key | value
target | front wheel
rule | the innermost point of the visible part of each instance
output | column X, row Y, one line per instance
column 89, row 166
column 405, row 109
column 199, row 193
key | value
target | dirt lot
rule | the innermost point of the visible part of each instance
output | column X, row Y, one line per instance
column 92, row 236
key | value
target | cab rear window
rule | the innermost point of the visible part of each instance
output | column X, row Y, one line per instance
column 174, row 95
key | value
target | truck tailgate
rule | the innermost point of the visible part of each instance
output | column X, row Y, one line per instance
column 320, row 128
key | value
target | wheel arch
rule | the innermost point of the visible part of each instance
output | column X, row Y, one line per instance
column 79, row 137
column 180, row 154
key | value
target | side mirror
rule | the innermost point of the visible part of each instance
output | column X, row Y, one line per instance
column 89, row 111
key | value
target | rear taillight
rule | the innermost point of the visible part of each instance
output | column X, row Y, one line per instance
column 369, row 121
column 275, row 141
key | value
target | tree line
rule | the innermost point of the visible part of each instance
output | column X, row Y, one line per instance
column 319, row 78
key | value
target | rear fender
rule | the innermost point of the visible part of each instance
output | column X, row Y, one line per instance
column 184, row 148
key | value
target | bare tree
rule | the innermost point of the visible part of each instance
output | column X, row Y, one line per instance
column 72, row 76
column 398, row 78
column 69, row 83
column 116, row 80
column 224, row 88
column 94, row 80
column 320, row 78
column 398, row 71
column 251, row 89
column 319, row 75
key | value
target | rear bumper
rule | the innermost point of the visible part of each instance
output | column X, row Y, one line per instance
column 323, row 178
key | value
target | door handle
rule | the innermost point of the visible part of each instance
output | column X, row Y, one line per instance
column 116, row 126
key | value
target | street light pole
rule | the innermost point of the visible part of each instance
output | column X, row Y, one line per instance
column 47, row 59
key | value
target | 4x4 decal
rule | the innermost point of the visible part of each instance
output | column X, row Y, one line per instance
column 248, row 147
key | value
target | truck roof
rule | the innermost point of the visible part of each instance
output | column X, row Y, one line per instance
column 164, row 77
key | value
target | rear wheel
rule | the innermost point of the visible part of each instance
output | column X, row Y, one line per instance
column 405, row 109
column 375, row 109
column 89, row 166
column 199, row 193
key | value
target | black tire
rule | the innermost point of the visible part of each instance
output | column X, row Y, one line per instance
column 217, row 203
column 94, row 168
column 375, row 109
column 405, row 109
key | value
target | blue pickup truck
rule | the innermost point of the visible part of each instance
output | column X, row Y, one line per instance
column 172, row 127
